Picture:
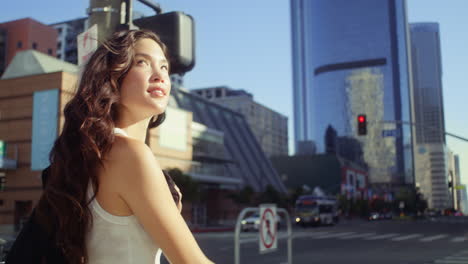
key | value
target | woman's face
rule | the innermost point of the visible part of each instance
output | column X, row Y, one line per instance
column 145, row 90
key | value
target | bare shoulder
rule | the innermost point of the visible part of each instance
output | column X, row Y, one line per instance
column 128, row 152
column 127, row 161
column 124, row 148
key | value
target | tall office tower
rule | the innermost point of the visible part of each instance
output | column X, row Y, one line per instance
column 351, row 58
column 428, row 114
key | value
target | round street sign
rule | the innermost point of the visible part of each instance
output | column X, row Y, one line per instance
column 267, row 228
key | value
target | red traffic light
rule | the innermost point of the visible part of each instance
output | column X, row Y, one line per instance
column 361, row 118
column 362, row 125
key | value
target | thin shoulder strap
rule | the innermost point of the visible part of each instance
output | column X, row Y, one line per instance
column 120, row 131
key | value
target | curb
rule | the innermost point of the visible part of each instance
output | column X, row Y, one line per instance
column 211, row 229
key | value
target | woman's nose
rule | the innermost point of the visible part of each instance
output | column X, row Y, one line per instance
column 157, row 76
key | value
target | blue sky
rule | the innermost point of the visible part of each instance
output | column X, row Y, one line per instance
column 246, row 44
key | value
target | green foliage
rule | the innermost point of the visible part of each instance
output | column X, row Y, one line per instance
column 271, row 195
column 244, row 196
column 413, row 200
column 189, row 188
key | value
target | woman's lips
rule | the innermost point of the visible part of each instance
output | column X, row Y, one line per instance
column 157, row 92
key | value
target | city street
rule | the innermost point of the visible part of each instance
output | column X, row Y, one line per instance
column 392, row 242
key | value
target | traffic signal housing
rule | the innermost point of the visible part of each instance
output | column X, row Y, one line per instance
column 177, row 31
column 362, row 124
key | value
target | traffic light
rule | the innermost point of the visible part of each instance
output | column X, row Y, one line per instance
column 362, row 124
column 177, row 31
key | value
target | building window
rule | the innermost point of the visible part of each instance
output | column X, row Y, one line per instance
column 218, row 93
column 34, row 45
column 49, row 51
column 19, row 45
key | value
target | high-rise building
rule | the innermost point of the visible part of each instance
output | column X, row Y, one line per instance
column 464, row 199
column 269, row 127
column 24, row 34
column 351, row 58
column 428, row 115
column 67, row 49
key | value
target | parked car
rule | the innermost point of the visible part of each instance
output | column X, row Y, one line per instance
column 252, row 222
column 373, row 216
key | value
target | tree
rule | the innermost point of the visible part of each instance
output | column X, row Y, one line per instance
column 188, row 187
column 244, row 196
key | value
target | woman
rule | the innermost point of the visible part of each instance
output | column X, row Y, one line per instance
column 107, row 199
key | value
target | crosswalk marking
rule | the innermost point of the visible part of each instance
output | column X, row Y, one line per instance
column 432, row 238
column 333, row 235
column 309, row 234
column 382, row 236
column 358, row 236
column 406, row 237
column 459, row 239
column 448, row 261
column 458, row 258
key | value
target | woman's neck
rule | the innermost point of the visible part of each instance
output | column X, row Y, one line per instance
column 136, row 130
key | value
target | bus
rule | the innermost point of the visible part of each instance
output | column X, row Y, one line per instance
column 314, row 210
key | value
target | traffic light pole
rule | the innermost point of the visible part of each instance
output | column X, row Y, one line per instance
column 155, row 6
column 426, row 127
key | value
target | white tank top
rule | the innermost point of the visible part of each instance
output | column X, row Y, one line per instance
column 118, row 239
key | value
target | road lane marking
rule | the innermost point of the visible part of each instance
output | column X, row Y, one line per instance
column 334, row 235
column 432, row 238
column 459, row 239
column 309, row 234
column 406, row 237
column 449, row 261
column 382, row 236
column 358, row 236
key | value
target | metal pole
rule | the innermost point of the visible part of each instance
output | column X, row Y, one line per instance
column 424, row 126
column 237, row 232
column 288, row 219
column 106, row 15
column 155, row 6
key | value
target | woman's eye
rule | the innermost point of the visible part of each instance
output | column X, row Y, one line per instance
column 165, row 67
column 142, row 62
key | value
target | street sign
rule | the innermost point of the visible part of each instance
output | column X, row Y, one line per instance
column 390, row 133
column 2, row 148
column 87, row 44
column 268, row 238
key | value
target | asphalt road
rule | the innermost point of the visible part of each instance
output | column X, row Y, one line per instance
column 352, row 242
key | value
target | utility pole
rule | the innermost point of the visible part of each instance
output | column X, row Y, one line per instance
column 109, row 16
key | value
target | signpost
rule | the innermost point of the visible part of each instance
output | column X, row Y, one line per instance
column 2, row 148
column 87, row 44
column 269, row 235
column 268, row 239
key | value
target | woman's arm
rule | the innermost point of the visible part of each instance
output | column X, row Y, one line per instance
column 143, row 187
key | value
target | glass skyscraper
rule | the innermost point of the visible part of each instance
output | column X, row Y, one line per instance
column 431, row 165
column 351, row 58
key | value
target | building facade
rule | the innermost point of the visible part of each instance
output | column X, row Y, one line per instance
column 67, row 49
column 428, row 115
column 269, row 127
column 24, row 34
column 351, row 58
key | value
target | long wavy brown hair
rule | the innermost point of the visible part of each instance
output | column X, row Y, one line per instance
column 86, row 138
